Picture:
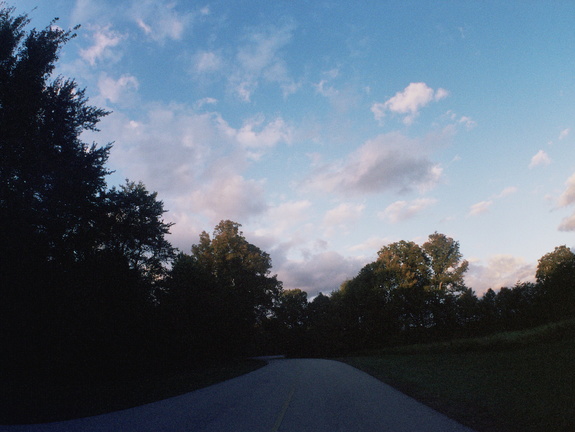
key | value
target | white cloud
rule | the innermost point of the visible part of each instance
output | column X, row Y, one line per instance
column 259, row 59
column 286, row 216
column 338, row 219
column 117, row 90
column 468, row 122
column 484, row 206
column 255, row 135
column 568, row 196
column 372, row 245
column 207, row 61
column 205, row 101
column 103, row 39
column 160, row 20
column 568, row 223
column 480, row 207
column 500, row 271
column 414, row 97
column 323, row 89
column 510, row 190
column 564, row 133
column 87, row 10
column 541, row 158
column 322, row 272
column 388, row 162
column 229, row 197
column 402, row 210
column 195, row 162
column 343, row 214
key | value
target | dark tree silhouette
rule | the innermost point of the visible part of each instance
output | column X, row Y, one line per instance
column 51, row 184
column 223, row 292
column 50, row 181
column 77, row 261
column 135, row 229
column 556, row 275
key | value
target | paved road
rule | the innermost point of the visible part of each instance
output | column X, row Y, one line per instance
column 284, row 396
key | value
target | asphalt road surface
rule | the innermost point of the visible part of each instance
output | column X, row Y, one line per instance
column 284, row 396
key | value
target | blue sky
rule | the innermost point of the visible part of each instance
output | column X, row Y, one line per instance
column 330, row 128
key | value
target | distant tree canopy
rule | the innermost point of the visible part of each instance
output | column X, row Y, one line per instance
column 556, row 276
column 223, row 290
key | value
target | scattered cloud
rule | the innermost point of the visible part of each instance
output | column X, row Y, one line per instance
column 259, row 59
column 257, row 136
column 540, row 159
column 343, row 214
column 484, row 206
column 104, row 38
column 408, row 102
column 118, row 90
column 160, row 20
column 400, row 211
column 207, row 62
column 372, row 245
column 566, row 199
column 388, row 162
column 564, row 133
column 229, row 197
column 205, row 101
column 568, row 196
column 325, row 90
column 499, row 271
column 510, row 190
column 340, row 217
column 286, row 216
column 322, row 272
column 479, row 208
column 466, row 121
column 195, row 161
column 568, row 223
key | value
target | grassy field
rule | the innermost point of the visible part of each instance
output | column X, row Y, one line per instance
column 520, row 381
column 53, row 400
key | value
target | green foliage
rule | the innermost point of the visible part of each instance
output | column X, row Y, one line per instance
column 221, row 293
column 446, row 267
column 239, row 266
column 556, row 275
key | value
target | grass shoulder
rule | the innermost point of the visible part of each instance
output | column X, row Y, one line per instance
column 517, row 381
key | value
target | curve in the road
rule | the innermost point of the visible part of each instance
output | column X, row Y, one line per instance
column 295, row 395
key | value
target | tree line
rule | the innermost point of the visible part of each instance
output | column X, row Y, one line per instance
column 89, row 282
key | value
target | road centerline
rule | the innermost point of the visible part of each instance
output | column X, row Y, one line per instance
column 286, row 403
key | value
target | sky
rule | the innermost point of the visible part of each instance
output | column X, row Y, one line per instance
column 330, row 129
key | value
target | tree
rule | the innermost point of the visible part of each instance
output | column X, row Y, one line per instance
column 72, row 254
column 51, row 188
column 136, row 229
column 405, row 264
column 50, row 181
column 556, row 275
column 445, row 263
column 291, row 309
column 241, row 271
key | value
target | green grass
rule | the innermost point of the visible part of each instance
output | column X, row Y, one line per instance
column 520, row 381
column 52, row 400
